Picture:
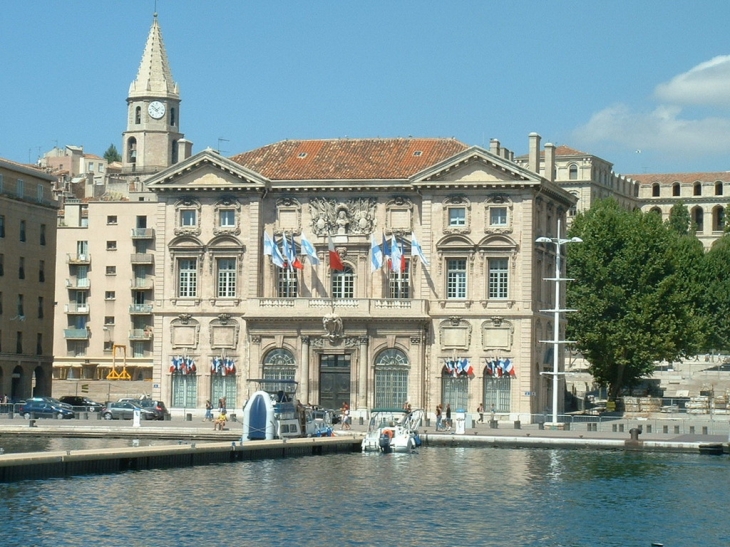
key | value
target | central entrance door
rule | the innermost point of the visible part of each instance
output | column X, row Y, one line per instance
column 334, row 380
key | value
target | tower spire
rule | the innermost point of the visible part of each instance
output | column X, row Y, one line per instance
column 154, row 77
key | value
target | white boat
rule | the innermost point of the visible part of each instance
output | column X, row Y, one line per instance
column 273, row 412
column 393, row 431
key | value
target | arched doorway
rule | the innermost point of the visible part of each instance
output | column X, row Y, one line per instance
column 41, row 382
column 16, row 386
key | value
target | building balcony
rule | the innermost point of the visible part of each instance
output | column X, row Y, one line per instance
column 141, row 334
column 143, row 258
column 142, row 284
column 143, row 233
column 78, row 259
column 140, row 309
column 75, row 308
column 83, row 284
column 76, row 334
column 353, row 308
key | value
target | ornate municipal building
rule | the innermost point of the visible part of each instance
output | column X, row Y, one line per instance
column 178, row 274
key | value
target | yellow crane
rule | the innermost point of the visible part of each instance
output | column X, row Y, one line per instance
column 123, row 375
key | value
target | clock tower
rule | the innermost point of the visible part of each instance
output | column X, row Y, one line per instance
column 153, row 140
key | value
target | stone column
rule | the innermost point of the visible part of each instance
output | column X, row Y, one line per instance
column 362, row 377
column 304, row 383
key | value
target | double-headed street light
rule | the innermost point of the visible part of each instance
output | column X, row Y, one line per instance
column 558, row 242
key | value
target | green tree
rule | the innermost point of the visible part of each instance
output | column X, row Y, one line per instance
column 633, row 306
column 111, row 154
column 716, row 303
column 679, row 219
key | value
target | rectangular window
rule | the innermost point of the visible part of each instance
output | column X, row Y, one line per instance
column 19, row 342
column 399, row 283
column 111, row 270
column 111, row 219
column 226, row 277
column 111, row 245
column 188, row 218
column 457, row 216
column 498, row 216
column 39, row 193
column 343, row 283
column 39, row 344
column 2, row 264
column 498, row 277
column 187, row 278
column 227, row 218
column 108, row 346
column 40, row 307
column 41, row 271
column 287, row 283
column 110, row 295
column 91, row 167
column 109, row 320
column 43, row 234
column 20, row 188
column 21, row 267
column 2, row 225
column 456, row 278
column 21, row 307
column 22, row 230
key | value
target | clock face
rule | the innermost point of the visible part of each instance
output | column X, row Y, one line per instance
column 156, row 109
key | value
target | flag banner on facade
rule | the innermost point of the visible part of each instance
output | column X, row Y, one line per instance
column 397, row 262
column 276, row 257
column 500, row 367
column 308, row 250
column 223, row 366
column 416, row 249
column 376, row 255
column 290, row 254
column 268, row 244
column 182, row 365
column 386, row 252
column 335, row 260
column 458, row 367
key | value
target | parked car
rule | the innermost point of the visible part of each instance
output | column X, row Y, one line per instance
column 158, row 407
column 39, row 408
column 124, row 410
column 82, row 403
column 49, row 400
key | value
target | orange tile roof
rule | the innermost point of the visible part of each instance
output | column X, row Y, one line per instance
column 353, row 159
column 668, row 178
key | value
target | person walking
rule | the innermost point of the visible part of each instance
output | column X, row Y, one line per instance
column 448, row 416
column 480, row 410
column 208, row 411
column 438, row 417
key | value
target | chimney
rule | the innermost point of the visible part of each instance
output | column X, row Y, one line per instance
column 534, row 155
column 494, row 146
column 184, row 149
column 550, row 161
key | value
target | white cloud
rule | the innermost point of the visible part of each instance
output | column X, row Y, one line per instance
column 706, row 84
column 667, row 129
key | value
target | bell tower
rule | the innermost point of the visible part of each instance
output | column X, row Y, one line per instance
column 152, row 139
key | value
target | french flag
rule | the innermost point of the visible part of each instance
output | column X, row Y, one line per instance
column 489, row 369
column 466, row 367
column 509, row 368
column 335, row 260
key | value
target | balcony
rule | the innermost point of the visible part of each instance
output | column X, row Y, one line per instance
column 141, row 334
column 76, row 334
column 83, row 284
column 78, row 259
column 75, row 308
column 143, row 258
column 142, row 284
column 353, row 308
column 140, row 309
column 143, row 233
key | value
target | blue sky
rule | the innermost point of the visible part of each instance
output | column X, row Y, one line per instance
column 642, row 84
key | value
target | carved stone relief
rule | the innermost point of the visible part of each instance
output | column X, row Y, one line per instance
column 356, row 216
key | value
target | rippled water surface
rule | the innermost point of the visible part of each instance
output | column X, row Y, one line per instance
column 439, row 496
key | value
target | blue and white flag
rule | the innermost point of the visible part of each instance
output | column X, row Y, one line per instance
column 397, row 261
column 288, row 253
column 309, row 250
column 268, row 244
column 416, row 249
column 276, row 256
column 376, row 255
column 386, row 251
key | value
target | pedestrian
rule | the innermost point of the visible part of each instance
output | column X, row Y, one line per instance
column 448, row 416
column 438, row 417
column 407, row 407
column 220, row 423
column 492, row 411
column 208, row 411
column 480, row 410
column 222, row 404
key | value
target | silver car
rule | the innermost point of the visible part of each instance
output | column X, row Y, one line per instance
column 124, row 410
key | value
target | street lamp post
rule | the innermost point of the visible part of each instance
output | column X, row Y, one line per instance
column 556, row 341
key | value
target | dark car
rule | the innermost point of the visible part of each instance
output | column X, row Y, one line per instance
column 39, row 408
column 49, row 400
column 124, row 410
column 158, row 407
column 81, row 403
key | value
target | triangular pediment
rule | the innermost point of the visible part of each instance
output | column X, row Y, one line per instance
column 207, row 170
column 476, row 166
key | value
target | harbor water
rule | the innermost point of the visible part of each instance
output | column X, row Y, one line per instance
column 437, row 496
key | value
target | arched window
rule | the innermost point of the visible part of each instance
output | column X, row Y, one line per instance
column 173, row 119
column 698, row 189
column 391, row 379
column 497, row 385
column 573, row 172
column 655, row 190
column 138, row 115
column 454, row 390
column 343, row 283
column 718, row 188
column 718, row 219
column 675, row 189
column 698, row 219
column 279, row 364
column 132, row 150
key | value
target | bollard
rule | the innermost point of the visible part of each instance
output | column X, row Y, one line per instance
column 473, row 423
column 31, row 423
column 168, row 417
column 234, row 418
column 541, row 425
column 188, row 417
column 493, row 424
column 634, row 432
column 518, row 424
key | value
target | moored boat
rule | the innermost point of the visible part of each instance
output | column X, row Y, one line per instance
column 392, row 430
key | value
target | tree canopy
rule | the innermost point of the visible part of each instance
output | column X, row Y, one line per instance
column 632, row 291
column 111, row 154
